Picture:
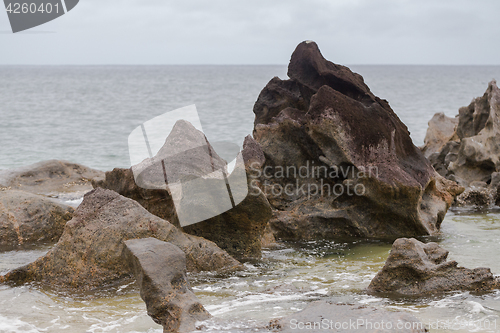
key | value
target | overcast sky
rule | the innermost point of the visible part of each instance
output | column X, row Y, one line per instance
column 261, row 32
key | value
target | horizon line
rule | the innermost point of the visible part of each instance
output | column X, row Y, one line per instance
column 208, row 64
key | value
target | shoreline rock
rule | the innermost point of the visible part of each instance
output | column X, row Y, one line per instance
column 417, row 269
column 160, row 271
column 465, row 149
column 28, row 219
column 238, row 230
column 52, row 178
column 89, row 252
column 325, row 120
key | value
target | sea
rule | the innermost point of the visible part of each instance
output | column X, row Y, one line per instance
column 84, row 114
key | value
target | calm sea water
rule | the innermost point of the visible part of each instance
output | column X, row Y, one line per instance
column 85, row 114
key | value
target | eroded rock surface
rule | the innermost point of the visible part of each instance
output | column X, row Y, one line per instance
column 415, row 268
column 51, row 178
column 160, row 271
column 361, row 174
column 89, row 252
column 28, row 219
column 237, row 230
column 470, row 153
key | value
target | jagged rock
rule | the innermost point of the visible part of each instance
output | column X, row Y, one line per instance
column 477, row 196
column 27, row 219
column 415, row 268
column 237, row 230
column 160, row 271
column 51, row 178
column 472, row 152
column 441, row 130
column 325, row 316
column 89, row 251
column 361, row 174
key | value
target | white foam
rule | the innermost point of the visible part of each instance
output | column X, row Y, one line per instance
column 14, row 325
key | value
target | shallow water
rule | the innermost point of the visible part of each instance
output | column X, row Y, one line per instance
column 283, row 282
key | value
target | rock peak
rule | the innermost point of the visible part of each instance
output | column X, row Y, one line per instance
column 309, row 68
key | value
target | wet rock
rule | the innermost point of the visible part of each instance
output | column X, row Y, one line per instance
column 476, row 196
column 325, row 316
column 237, row 230
column 160, row 270
column 89, row 252
column 51, row 178
column 28, row 219
column 471, row 153
column 415, row 268
column 339, row 163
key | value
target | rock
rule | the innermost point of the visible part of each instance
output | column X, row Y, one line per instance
column 28, row 219
column 339, row 163
column 325, row 316
column 51, row 178
column 441, row 130
column 160, row 271
column 479, row 197
column 472, row 152
column 237, row 230
column 89, row 252
column 415, row 268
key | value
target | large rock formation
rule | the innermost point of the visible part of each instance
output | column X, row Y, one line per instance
column 338, row 161
column 467, row 149
column 51, row 178
column 160, row 272
column 89, row 253
column 415, row 268
column 324, row 316
column 237, row 230
column 27, row 219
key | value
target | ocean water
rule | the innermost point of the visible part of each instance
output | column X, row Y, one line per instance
column 85, row 114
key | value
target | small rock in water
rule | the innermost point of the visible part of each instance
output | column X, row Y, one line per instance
column 415, row 268
column 160, row 270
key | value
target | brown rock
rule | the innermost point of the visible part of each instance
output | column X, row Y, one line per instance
column 415, row 268
column 27, row 219
column 362, row 176
column 89, row 253
column 160, row 270
column 237, row 230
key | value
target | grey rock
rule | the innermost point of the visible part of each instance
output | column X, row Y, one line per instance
column 441, row 130
column 471, row 153
column 51, row 178
column 89, row 252
column 160, row 271
column 28, row 219
column 238, row 230
column 415, row 268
